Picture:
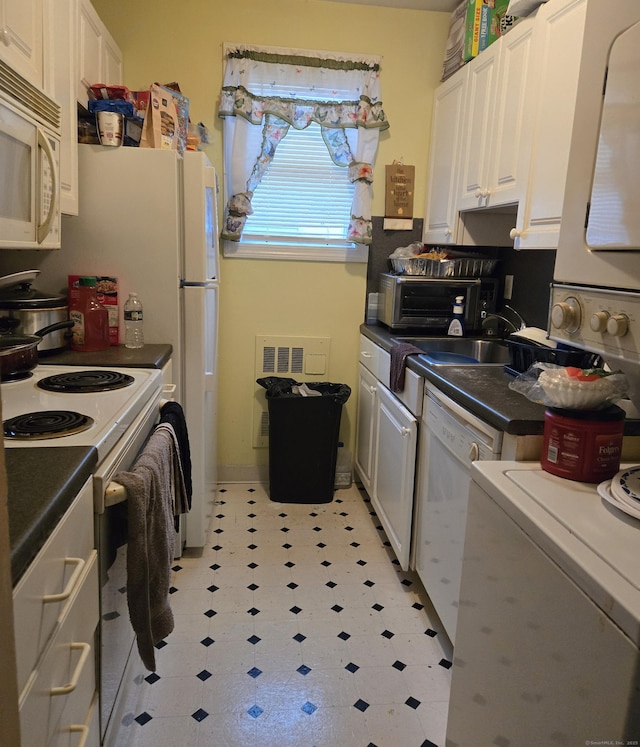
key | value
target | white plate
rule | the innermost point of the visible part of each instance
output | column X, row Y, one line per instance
column 604, row 491
column 626, row 485
column 27, row 276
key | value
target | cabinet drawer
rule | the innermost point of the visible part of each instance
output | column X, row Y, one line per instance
column 70, row 733
column 369, row 355
column 54, row 573
column 67, row 665
column 412, row 393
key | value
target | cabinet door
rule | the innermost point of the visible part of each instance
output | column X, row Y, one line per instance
column 396, row 436
column 21, row 34
column 473, row 188
column 62, row 25
column 506, row 167
column 553, row 80
column 111, row 61
column 365, row 425
column 99, row 57
column 441, row 212
column 89, row 49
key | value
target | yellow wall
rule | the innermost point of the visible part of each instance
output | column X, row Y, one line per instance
column 165, row 41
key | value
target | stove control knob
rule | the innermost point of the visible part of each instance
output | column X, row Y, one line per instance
column 598, row 321
column 566, row 314
column 618, row 325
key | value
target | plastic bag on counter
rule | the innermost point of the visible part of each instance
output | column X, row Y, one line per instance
column 571, row 388
column 412, row 250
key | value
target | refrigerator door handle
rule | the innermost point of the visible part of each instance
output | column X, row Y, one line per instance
column 198, row 284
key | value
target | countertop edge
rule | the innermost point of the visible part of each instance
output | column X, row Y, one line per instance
column 467, row 385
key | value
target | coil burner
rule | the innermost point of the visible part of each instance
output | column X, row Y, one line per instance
column 46, row 424
column 86, row 381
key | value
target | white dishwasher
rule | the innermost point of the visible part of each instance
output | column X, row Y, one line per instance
column 451, row 438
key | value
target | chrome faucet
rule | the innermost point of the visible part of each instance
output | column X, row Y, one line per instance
column 510, row 325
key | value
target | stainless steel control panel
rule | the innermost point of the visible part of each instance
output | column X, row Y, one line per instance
column 595, row 319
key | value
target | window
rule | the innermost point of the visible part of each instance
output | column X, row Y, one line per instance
column 302, row 206
column 300, row 135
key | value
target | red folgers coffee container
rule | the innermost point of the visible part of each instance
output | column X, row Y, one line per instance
column 583, row 445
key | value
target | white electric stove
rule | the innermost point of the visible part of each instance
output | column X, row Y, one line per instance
column 98, row 415
column 115, row 411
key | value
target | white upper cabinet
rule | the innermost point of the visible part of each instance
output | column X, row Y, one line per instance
column 491, row 168
column 21, row 38
column 99, row 58
column 480, row 126
column 552, row 89
column 441, row 211
column 473, row 184
column 506, row 172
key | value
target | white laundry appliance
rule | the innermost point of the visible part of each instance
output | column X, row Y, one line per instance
column 548, row 639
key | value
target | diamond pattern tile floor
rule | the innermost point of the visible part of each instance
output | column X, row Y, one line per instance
column 295, row 626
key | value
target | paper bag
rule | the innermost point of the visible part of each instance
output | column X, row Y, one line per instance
column 160, row 128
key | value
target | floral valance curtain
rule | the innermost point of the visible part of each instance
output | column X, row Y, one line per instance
column 267, row 90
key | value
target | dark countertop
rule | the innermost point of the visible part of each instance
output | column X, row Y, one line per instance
column 484, row 390
column 149, row 356
column 42, row 484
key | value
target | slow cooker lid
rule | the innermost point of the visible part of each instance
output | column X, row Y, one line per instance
column 16, row 292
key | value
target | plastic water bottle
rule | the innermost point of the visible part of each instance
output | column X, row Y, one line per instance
column 133, row 335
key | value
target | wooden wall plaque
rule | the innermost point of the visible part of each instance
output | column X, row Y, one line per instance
column 400, row 181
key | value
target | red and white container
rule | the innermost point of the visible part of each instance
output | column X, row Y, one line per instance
column 90, row 319
column 583, row 445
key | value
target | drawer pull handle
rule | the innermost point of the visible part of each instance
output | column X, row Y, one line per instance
column 365, row 355
column 66, row 689
column 79, row 563
column 82, row 729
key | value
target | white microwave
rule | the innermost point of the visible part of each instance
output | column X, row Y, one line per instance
column 30, row 165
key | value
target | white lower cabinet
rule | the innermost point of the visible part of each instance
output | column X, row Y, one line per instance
column 386, row 445
column 395, row 443
column 62, row 687
column 366, row 424
column 55, row 617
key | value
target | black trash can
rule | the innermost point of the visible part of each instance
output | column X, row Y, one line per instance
column 303, row 438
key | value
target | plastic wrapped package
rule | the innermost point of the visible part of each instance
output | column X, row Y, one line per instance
column 571, row 388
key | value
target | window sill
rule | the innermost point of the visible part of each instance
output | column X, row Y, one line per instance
column 355, row 253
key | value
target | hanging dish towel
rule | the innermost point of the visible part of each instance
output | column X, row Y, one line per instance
column 399, row 353
column 173, row 414
column 153, row 487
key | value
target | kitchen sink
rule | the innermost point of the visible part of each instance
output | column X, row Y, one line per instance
column 460, row 351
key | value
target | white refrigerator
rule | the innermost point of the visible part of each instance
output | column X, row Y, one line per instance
column 148, row 217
